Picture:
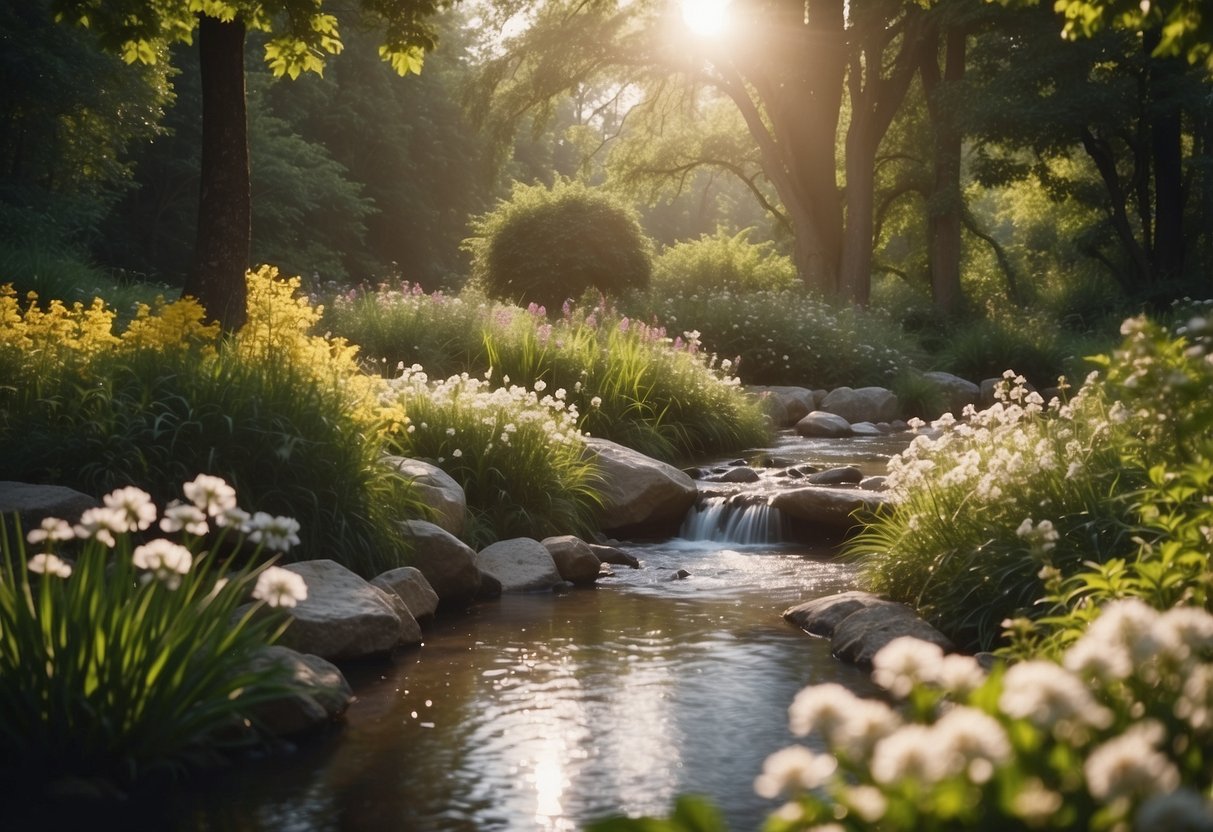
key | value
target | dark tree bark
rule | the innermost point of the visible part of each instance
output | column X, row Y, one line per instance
column 221, row 252
column 945, row 205
column 1166, row 151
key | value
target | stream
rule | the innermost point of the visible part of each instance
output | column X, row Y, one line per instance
column 544, row 711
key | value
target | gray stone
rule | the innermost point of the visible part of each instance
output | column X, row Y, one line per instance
column 639, row 494
column 847, row 474
column 821, row 615
column 521, row 564
column 437, row 489
column 867, row 429
column 343, row 616
column 34, row 503
column 825, row 506
column 785, row 405
column 737, row 475
column 874, row 483
column 955, row 391
column 611, row 554
column 446, row 561
column 322, row 693
column 575, row 560
column 414, row 590
column 820, row 424
column 680, row 575
column 862, row 404
column 862, row 634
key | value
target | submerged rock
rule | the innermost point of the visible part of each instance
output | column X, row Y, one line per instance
column 575, row 560
column 521, row 564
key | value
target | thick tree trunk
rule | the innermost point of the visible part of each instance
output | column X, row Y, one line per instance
column 221, row 250
column 1166, row 146
column 855, row 276
column 945, row 207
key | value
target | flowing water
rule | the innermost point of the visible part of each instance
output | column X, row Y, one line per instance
column 541, row 712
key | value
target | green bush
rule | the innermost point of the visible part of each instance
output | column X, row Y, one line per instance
column 787, row 337
column 117, row 659
column 721, row 261
column 1034, row 347
column 549, row 245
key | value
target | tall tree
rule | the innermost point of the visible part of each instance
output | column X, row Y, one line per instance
column 786, row 65
column 301, row 35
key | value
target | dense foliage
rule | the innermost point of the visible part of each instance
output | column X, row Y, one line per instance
column 549, row 245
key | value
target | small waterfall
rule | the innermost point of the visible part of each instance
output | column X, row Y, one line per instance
column 728, row 520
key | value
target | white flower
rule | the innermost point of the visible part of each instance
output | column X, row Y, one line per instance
column 280, row 587
column 969, row 741
column 596, row 401
column 134, row 505
column 1045, row 694
column 52, row 529
column 868, row 802
column 1195, row 702
column 540, row 386
column 211, row 494
column 48, row 564
column 793, row 768
column 1035, row 803
column 234, row 517
column 1041, row 537
column 905, row 662
column 959, row 674
column 276, row 533
column 1131, row 765
column 178, row 516
column 457, row 453
column 907, row 753
column 101, row 524
column 166, row 560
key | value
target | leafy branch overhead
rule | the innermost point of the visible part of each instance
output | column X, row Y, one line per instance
column 302, row 34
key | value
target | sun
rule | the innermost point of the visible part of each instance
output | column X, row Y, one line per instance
column 706, row 18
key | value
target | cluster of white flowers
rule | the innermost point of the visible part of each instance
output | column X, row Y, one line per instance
column 128, row 510
column 1097, row 701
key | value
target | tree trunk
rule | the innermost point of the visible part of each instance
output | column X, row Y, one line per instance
column 855, row 276
column 1166, row 146
column 945, row 206
column 221, row 252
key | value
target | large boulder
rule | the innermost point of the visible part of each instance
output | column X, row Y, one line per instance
column 410, row 585
column 822, row 425
column 320, row 696
column 862, row 404
column 34, row 503
column 447, row 562
column 640, row 495
column 575, row 560
column 437, row 489
column 955, row 391
column 844, row 475
column 343, row 616
column 522, row 564
column 862, row 634
column 821, row 616
column 614, row 556
column 785, row 405
column 826, row 506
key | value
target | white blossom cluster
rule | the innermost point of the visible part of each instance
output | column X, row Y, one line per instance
column 210, row 500
column 1125, row 700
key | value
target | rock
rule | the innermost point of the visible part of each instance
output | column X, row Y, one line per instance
column 823, row 425
column 785, row 405
column 610, row 554
column 325, row 696
column 985, row 397
column 437, row 489
column 825, row 506
column 876, row 483
column 490, row 588
column 955, row 391
column 680, row 575
column 899, row 425
column 521, row 564
column 640, row 495
column 821, row 615
column 863, row 404
column 447, row 562
column 861, row 635
column 837, row 476
column 738, row 475
column 34, row 503
column 413, row 589
column 867, row 429
column 344, row 617
column 575, row 560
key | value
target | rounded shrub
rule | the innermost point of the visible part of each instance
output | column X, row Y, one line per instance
column 722, row 261
column 547, row 245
